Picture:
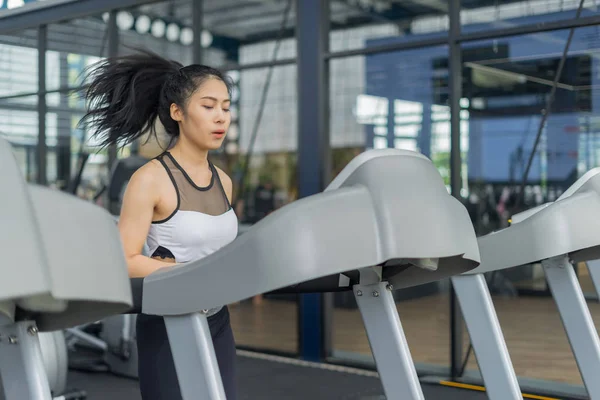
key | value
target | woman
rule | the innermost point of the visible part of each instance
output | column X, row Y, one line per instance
column 178, row 204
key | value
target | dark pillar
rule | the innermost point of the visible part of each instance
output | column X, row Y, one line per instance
column 113, row 51
column 197, row 27
column 63, row 145
column 42, row 149
column 314, row 164
column 455, row 63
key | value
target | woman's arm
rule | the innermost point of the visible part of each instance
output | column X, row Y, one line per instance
column 137, row 210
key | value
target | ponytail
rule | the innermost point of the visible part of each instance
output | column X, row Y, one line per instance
column 124, row 98
column 126, row 95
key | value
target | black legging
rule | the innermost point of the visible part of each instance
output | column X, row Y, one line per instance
column 157, row 376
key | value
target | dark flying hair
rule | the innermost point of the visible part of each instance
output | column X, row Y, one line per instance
column 126, row 94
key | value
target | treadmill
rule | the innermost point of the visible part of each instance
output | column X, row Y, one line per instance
column 557, row 235
column 385, row 222
column 63, row 266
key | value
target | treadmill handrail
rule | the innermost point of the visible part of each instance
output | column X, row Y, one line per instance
column 365, row 157
column 388, row 206
column 19, row 234
column 589, row 181
column 190, row 287
column 563, row 227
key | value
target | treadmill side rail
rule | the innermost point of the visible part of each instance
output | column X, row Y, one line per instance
column 593, row 267
column 576, row 319
column 486, row 336
column 194, row 357
column 21, row 363
column 388, row 342
column 562, row 227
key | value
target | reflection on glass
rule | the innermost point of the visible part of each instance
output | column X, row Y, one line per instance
column 507, row 82
column 403, row 103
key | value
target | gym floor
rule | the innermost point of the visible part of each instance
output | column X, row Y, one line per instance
column 269, row 377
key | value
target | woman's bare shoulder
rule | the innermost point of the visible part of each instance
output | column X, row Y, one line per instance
column 149, row 176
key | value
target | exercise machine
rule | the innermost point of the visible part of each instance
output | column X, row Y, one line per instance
column 58, row 274
column 385, row 222
column 388, row 243
column 121, row 173
column 54, row 356
column 556, row 235
column 114, row 343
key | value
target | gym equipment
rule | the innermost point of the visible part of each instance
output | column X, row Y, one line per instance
column 54, row 355
column 118, row 335
column 118, row 332
column 58, row 274
column 555, row 234
column 115, row 343
column 385, row 222
column 593, row 267
column 121, row 172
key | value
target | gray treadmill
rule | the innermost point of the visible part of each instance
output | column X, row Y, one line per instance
column 556, row 235
column 589, row 181
column 63, row 266
column 385, row 222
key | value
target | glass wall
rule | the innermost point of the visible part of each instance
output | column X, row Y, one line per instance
column 507, row 82
column 401, row 99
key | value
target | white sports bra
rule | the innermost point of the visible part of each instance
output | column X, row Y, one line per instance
column 202, row 223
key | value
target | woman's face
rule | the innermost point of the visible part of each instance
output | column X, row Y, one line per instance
column 207, row 117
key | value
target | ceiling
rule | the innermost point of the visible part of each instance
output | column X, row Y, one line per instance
column 251, row 21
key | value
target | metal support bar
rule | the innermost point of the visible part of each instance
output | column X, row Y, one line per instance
column 261, row 64
column 197, row 27
column 388, row 342
column 455, row 93
column 314, row 165
column 390, row 47
column 86, row 337
column 63, row 141
column 594, row 271
column 29, row 94
column 486, row 336
column 42, row 108
column 532, row 28
column 194, row 357
column 576, row 319
column 21, row 363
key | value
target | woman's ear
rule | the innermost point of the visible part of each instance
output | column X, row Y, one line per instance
column 176, row 112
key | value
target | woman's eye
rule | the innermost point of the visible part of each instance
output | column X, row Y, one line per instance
column 208, row 107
